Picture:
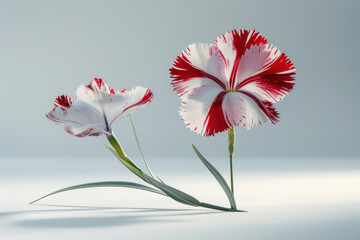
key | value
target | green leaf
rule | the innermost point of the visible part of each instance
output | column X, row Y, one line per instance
column 174, row 193
column 211, row 206
column 104, row 184
column 218, row 177
column 141, row 152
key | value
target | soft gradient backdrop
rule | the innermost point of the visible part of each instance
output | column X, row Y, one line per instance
column 49, row 48
column 299, row 179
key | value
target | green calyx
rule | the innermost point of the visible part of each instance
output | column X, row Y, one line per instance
column 231, row 140
column 115, row 144
column 230, row 90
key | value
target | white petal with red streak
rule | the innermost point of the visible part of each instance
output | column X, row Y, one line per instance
column 95, row 94
column 256, row 60
column 81, row 119
column 258, row 74
column 114, row 104
column 225, row 45
column 232, row 46
column 207, row 58
column 199, row 65
column 242, row 110
column 195, row 108
column 123, row 104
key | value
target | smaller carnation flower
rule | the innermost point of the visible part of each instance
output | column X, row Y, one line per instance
column 96, row 107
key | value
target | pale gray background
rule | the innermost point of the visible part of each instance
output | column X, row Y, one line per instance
column 298, row 179
column 49, row 48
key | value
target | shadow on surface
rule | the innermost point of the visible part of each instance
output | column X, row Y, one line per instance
column 68, row 208
column 123, row 216
column 84, row 222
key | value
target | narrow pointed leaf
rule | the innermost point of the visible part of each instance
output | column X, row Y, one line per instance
column 173, row 192
column 141, row 152
column 211, row 206
column 105, row 184
column 218, row 177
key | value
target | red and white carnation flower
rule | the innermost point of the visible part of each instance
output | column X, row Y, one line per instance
column 96, row 107
column 232, row 82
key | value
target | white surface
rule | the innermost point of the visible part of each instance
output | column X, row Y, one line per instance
column 287, row 204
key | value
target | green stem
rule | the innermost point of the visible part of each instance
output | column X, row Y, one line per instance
column 231, row 174
column 119, row 150
column 231, row 140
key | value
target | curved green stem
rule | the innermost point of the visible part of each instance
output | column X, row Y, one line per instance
column 120, row 154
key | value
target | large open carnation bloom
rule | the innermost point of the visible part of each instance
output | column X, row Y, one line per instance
column 230, row 83
column 96, row 107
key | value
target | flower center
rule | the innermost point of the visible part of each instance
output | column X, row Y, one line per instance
column 230, row 90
